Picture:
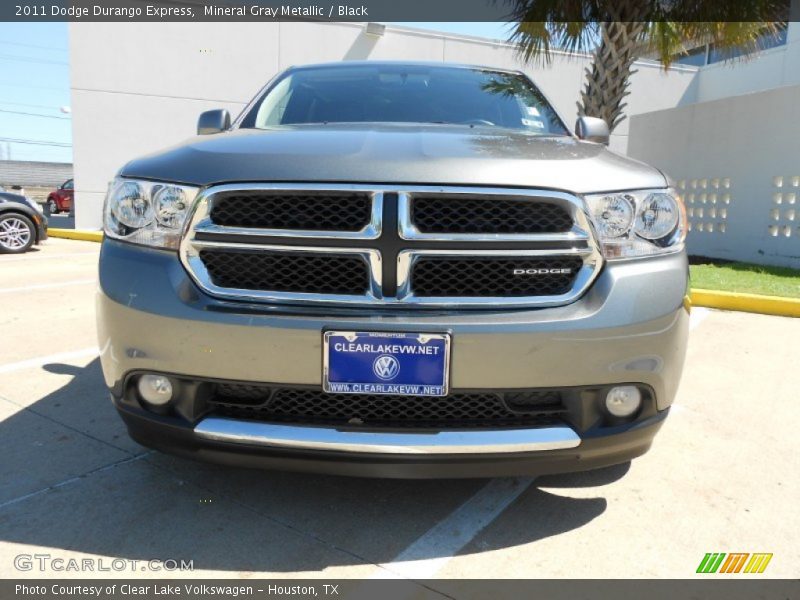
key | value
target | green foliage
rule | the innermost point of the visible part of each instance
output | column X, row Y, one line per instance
column 572, row 26
column 617, row 32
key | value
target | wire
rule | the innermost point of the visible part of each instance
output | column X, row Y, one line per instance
column 31, row 105
column 32, row 59
column 35, row 87
column 58, row 48
column 35, row 142
column 17, row 112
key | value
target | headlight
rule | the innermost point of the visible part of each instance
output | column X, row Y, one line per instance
column 147, row 212
column 640, row 223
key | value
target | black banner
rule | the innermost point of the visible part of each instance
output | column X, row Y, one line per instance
column 711, row 588
column 392, row 10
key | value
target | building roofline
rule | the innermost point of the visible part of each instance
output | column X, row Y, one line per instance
column 399, row 63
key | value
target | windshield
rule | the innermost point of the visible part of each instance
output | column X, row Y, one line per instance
column 405, row 94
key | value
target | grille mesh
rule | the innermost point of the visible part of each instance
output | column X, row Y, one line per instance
column 261, row 402
column 287, row 272
column 492, row 276
column 438, row 214
column 329, row 212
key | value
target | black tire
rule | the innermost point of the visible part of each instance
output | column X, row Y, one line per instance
column 52, row 206
column 13, row 237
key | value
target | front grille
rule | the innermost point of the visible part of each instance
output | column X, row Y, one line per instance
column 460, row 410
column 287, row 271
column 493, row 276
column 304, row 211
column 364, row 245
column 481, row 215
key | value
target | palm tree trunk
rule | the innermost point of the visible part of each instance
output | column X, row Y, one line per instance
column 608, row 77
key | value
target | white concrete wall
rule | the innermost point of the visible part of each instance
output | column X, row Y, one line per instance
column 770, row 69
column 138, row 87
column 737, row 163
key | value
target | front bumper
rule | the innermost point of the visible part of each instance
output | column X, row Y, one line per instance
column 630, row 327
column 617, row 446
column 41, row 228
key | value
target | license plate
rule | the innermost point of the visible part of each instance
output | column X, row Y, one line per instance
column 408, row 364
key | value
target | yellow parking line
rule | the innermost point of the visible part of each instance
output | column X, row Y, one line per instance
column 767, row 305
column 76, row 234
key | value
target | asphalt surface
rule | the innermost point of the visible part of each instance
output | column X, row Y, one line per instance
column 61, row 221
column 721, row 477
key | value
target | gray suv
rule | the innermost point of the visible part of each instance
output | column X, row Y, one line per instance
column 395, row 270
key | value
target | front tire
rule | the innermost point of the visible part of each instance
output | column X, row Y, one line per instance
column 52, row 206
column 17, row 234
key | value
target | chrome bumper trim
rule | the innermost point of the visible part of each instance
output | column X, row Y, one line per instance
column 369, row 442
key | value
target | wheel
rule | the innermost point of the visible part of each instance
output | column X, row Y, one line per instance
column 52, row 206
column 16, row 233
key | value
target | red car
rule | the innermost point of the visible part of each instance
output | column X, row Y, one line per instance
column 61, row 199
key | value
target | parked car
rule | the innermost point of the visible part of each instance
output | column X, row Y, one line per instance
column 60, row 200
column 400, row 270
column 22, row 223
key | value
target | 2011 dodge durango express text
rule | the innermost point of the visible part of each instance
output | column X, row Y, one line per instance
column 395, row 270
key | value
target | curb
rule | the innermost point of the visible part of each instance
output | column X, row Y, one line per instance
column 76, row 234
column 754, row 303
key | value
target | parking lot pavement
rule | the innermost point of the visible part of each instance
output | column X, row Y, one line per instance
column 721, row 477
column 47, row 300
column 61, row 221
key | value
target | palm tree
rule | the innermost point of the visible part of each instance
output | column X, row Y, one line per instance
column 617, row 32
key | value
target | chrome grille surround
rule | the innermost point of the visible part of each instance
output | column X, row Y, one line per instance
column 201, row 220
column 296, row 211
column 407, row 259
column 201, row 233
column 193, row 262
column 408, row 231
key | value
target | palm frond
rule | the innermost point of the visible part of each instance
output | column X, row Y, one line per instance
column 572, row 25
column 536, row 40
column 617, row 32
column 666, row 40
column 547, row 25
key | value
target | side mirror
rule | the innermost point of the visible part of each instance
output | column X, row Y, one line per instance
column 213, row 121
column 592, row 129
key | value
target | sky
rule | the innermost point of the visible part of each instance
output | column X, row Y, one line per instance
column 34, row 79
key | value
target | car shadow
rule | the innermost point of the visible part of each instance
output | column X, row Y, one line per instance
column 84, row 488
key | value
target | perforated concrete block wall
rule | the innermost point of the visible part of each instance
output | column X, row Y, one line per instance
column 736, row 162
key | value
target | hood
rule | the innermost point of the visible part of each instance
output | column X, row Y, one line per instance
column 399, row 154
column 11, row 197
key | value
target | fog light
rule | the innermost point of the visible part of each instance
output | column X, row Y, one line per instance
column 623, row 401
column 155, row 389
